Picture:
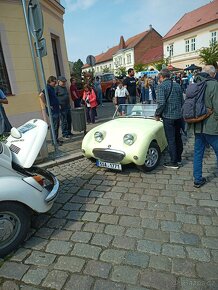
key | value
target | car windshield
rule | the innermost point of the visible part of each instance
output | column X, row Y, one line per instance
column 135, row 111
column 108, row 77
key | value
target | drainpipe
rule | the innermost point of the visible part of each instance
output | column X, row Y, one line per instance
column 31, row 46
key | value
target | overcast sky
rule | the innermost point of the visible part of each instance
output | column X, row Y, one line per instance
column 93, row 26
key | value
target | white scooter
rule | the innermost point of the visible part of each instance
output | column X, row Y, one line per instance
column 24, row 188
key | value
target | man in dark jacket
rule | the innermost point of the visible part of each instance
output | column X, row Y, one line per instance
column 64, row 102
column 170, row 100
column 130, row 83
column 54, row 105
column 206, row 132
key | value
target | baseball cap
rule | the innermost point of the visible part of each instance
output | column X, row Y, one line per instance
column 62, row 79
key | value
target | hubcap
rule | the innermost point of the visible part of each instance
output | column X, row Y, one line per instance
column 152, row 157
column 9, row 228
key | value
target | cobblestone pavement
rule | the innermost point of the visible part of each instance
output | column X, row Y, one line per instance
column 116, row 231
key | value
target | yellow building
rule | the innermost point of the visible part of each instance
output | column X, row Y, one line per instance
column 17, row 75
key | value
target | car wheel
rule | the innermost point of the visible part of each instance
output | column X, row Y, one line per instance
column 152, row 157
column 14, row 226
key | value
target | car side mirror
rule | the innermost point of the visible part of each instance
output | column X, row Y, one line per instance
column 15, row 133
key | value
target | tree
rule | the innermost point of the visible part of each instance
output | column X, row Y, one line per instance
column 209, row 55
column 76, row 68
column 139, row 67
column 159, row 64
column 121, row 71
column 106, row 70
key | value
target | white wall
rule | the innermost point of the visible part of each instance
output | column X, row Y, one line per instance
column 123, row 54
column 203, row 38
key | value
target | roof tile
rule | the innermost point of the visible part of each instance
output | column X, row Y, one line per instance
column 198, row 17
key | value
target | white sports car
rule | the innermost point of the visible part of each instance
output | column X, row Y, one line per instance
column 132, row 136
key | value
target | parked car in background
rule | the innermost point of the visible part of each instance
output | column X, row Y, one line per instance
column 106, row 83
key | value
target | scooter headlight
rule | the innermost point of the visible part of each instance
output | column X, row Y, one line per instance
column 98, row 136
column 128, row 139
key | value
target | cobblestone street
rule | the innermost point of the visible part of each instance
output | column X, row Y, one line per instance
column 123, row 231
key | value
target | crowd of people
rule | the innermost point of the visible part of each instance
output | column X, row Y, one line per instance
column 62, row 101
column 167, row 90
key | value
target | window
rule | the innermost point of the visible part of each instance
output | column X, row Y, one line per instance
column 187, row 45
column 171, row 50
column 190, row 45
column 193, row 44
column 56, row 58
column 4, row 80
column 128, row 58
column 119, row 60
column 213, row 37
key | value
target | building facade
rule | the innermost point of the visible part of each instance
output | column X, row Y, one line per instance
column 193, row 31
column 128, row 53
column 17, row 77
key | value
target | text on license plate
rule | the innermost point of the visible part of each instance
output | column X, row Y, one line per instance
column 115, row 166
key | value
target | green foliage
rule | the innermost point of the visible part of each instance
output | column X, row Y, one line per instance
column 139, row 67
column 121, row 71
column 158, row 65
column 106, row 70
column 209, row 55
column 76, row 68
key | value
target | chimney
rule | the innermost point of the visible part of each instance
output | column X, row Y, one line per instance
column 150, row 27
column 122, row 44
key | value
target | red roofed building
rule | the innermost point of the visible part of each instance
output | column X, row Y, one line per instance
column 145, row 47
column 193, row 31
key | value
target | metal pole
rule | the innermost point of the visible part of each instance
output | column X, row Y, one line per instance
column 44, row 82
column 31, row 46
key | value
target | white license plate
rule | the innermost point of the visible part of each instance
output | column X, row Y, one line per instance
column 115, row 166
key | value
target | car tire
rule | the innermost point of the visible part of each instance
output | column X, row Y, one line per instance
column 14, row 226
column 152, row 158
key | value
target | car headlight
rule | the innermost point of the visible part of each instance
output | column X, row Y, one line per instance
column 128, row 139
column 98, row 136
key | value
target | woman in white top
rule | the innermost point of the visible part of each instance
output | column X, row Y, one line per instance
column 121, row 95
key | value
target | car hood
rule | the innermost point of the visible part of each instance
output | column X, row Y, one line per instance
column 129, row 125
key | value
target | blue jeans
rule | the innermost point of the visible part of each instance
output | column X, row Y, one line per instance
column 99, row 97
column 132, row 99
column 201, row 140
column 91, row 114
column 172, row 128
column 143, row 95
column 65, row 121
column 56, row 123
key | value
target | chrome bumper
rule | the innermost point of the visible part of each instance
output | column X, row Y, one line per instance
column 108, row 155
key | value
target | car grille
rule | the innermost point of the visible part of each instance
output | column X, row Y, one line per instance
column 108, row 155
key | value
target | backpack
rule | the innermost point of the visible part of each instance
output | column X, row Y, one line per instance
column 194, row 109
